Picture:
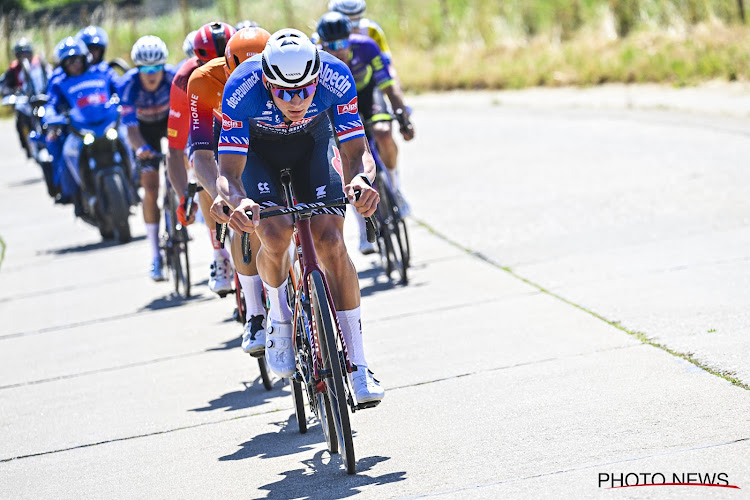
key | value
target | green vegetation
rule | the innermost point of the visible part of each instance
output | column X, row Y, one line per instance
column 468, row 44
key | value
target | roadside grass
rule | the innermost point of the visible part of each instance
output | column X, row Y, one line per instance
column 2, row 251
column 476, row 44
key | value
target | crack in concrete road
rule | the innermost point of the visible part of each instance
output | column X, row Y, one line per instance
column 575, row 469
column 616, row 324
column 291, row 408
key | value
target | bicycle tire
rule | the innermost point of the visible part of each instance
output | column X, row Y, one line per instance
column 325, row 414
column 335, row 390
column 240, row 298
column 264, row 376
column 390, row 232
column 299, row 406
column 179, row 247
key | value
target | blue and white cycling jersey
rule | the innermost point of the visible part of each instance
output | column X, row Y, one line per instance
column 138, row 105
column 247, row 106
column 83, row 97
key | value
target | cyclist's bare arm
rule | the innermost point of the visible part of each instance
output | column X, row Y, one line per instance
column 206, row 170
column 396, row 97
column 357, row 160
column 176, row 170
column 229, row 186
column 137, row 141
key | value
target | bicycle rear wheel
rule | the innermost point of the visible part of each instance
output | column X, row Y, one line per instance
column 391, row 234
column 178, row 243
column 332, row 363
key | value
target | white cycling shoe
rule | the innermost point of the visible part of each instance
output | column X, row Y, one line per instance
column 254, row 336
column 365, row 247
column 366, row 388
column 221, row 278
column 280, row 349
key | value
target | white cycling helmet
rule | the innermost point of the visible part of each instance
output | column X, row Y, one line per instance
column 149, row 50
column 290, row 59
column 349, row 8
column 187, row 45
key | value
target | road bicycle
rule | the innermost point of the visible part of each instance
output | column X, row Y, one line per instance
column 321, row 353
column 174, row 239
column 393, row 242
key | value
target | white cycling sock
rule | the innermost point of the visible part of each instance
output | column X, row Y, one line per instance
column 351, row 328
column 152, row 232
column 252, row 287
column 279, row 310
column 360, row 222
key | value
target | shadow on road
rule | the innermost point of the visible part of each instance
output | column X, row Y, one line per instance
column 254, row 394
column 26, row 182
column 172, row 300
column 286, row 441
column 228, row 345
column 86, row 248
column 379, row 282
column 327, row 479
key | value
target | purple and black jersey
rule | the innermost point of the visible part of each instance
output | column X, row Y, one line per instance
column 138, row 105
column 248, row 108
column 368, row 62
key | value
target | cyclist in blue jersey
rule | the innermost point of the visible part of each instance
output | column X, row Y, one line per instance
column 96, row 40
column 81, row 92
column 276, row 109
column 371, row 71
column 144, row 94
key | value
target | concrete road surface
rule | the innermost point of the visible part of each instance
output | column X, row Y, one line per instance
column 577, row 317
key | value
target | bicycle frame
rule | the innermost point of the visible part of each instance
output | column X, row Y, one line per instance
column 308, row 263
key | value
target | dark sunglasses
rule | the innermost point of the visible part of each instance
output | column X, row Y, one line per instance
column 70, row 60
column 287, row 95
column 337, row 44
column 151, row 69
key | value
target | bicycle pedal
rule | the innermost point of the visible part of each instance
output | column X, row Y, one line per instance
column 369, row 404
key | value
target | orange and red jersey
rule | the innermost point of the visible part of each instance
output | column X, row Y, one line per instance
column 178, row 127
column 205, row 90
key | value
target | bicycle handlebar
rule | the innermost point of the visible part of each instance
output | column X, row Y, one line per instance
column 192, row 188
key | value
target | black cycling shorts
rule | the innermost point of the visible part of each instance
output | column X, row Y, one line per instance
column 372, row 104
column 311, row 156
column 152, row 133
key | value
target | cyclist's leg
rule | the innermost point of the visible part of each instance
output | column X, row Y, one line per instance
column 253, row 337
column 152, row 133
column 365, row 110
column 327, row 230
column 381, row 126
column 272, row 260
column 221, row 278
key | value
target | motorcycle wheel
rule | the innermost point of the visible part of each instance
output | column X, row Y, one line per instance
column 118, row 209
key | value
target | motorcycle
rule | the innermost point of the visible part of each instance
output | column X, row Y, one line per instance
column 28, row 104
column 104, row 167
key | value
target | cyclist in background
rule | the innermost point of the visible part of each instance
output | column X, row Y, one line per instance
column 187, row 46
column 354, row 10
column 96, row 40
column 275, row 115
column 205, row 90
column 371, row 72
column 144, row 95
column 208, row 43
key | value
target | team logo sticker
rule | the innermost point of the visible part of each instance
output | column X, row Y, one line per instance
column 350, row 107
column 228, row 124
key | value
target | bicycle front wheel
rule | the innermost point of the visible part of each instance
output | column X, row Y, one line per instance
column 332, row 364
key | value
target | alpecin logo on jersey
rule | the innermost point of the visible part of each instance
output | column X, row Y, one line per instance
column 334, row 81
column 228, row 124
column 350, row 107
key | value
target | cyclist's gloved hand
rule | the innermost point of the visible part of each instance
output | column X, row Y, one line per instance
column 145, row 152
column 368, row 197
column 217, row 210
column 405, row 125
column 182, row 216
column 240, row 222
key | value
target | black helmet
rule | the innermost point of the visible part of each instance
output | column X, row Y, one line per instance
column 334, row 26
column 23, row 45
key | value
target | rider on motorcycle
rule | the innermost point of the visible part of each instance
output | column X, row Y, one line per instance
column 17, row 80
column 83, row 93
